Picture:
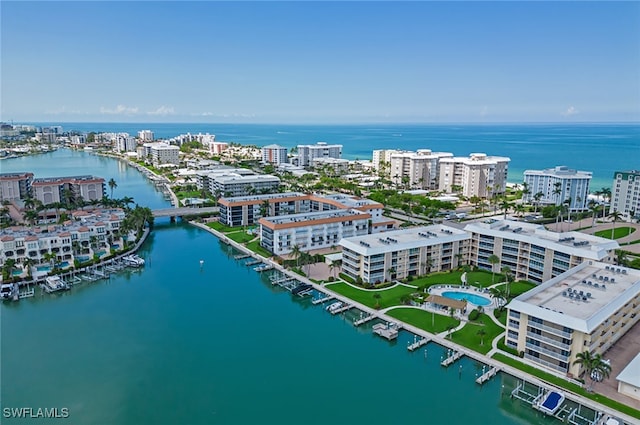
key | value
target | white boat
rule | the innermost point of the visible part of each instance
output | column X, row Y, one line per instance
column 6, row 291
column 133, row 260
column 54, row 284
column 552, row 402
column 334, row 306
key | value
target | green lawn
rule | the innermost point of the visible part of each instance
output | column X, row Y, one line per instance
column 468, row 335
column 618, row 232
column 388, row 297
column 255, row 247
column 240, row 236
column 425, row 320
column 216, row 225
column 518, row 288
column 453, row 278
column 567, row 385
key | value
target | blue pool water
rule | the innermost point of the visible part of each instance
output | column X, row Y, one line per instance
column 82, row 258
column 63, row 265
column 43, row 268
column 472, row 298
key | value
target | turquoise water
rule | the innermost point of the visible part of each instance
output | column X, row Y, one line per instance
column 600, row 148
column 177, row 343
column 43, row 268
column 472, row 298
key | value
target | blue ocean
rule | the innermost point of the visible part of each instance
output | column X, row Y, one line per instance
column 599, row 148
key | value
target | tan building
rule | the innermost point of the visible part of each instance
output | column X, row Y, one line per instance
column 587, row 308
column 532, row 252
column 309, row 231
column 52, row 189
column 401, row 253
column 478, row 175
column 15, row 186
column 417, row 170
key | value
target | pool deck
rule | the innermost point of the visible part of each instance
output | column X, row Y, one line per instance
column 471, row 290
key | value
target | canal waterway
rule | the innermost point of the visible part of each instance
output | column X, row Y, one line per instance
column 183, row 343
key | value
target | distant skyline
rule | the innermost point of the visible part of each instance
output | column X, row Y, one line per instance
column 320, row 62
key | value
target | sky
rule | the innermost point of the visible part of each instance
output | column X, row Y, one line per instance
column 320, row 62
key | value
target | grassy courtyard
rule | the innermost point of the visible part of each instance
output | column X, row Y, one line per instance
column 425, row 320
column 618, row 232
column 469, row 337
column 475, row 278
column 517, row 288
column 388, row 297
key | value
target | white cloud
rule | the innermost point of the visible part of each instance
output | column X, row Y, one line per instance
column 163, row 110
column 119, row 110
column 570, row 111
column 63, row 110
column 484, row 111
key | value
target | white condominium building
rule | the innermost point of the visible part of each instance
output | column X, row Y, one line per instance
column 587, row 308
column 478, row 175
column 146, row 135
column 306, row 153
column 15, row 186
column 309, row 231
column 159, row 153
column 625, row 193
column 417, row 170
column 532, row 252
column 558, row 185
column 382, row 160
column 274, row 154
column 401, row 253
column 124, row 143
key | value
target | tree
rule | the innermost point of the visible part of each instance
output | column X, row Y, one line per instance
column 508, row 277
column 594, row 366
column 493, row 260
column 335, row 265
column 296, row 253
column 557, row 190
column 505, row 206
column 392, row 272
column 112, row 185
column 615, row 216
column 536, row 199
column 482, row 333
column 377, row 297
column 499, row 295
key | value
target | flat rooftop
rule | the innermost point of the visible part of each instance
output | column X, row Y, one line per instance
column 576, row 243
column 398, row 240
column 313, row 216
column 582, row 297
column 265, row 197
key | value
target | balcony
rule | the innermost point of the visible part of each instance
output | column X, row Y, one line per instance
column 549, row 329
column 547, row 352
column 549, row 341
column 545, row 363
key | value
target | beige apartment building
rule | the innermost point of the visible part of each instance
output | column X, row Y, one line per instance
column 478, row 175
column 589, row 307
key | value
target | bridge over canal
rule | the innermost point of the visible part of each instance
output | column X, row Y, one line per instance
column 182, row 211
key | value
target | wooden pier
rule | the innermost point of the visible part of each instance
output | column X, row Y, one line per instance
column 26, row 294
column 322, row 299
column 487, row 375
column 364, row 320
column 241, row 256
column 263, row 268
column 343, row 308
column 419, row 343
column 252, row 263
column 451, row 359
column 387, row 330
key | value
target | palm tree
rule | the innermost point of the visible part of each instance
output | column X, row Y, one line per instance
column 615, row 216
column 377, row 297
column 335, row 265
column 500, row 296
column 493, row 260
column 505, row 206
column 482, row 333
column 606, row 194
column 525, row 190
column 537, row 198
column 391, row 271
column 593, row 207
column 593, row 366
column 508, row 277
column 557, row 190
column 296, row 253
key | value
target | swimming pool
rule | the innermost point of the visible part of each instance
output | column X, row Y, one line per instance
column 43, row 268
column 472, row 298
